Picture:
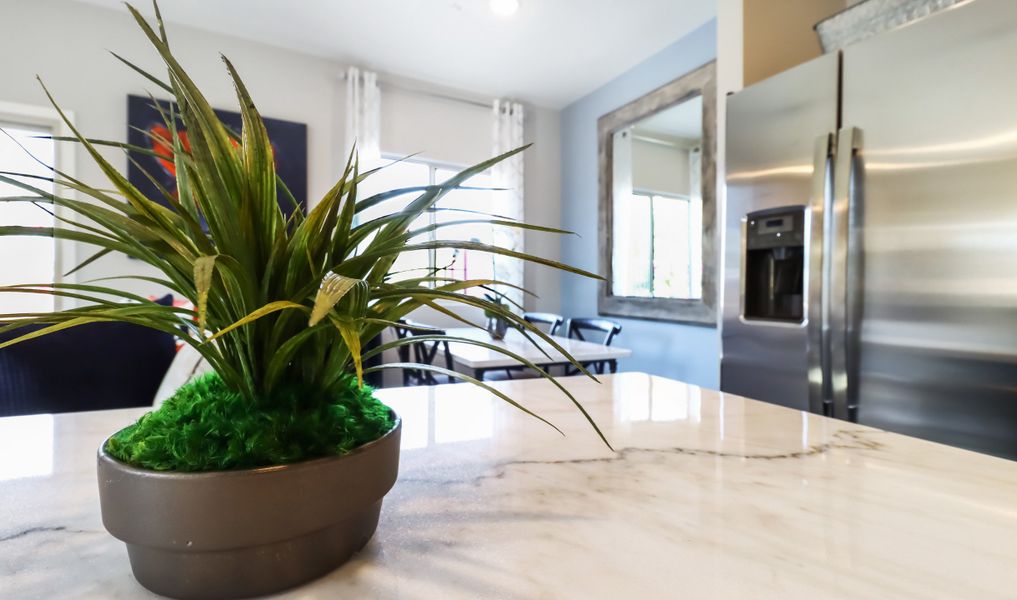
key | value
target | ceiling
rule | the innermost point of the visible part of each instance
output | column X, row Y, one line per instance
column 551, row 52
column 683, row 120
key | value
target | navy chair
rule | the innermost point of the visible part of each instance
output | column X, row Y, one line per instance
column 587, row 329
column 89, row 367
column 424, row 352
column 375, row 379
column 553, row 321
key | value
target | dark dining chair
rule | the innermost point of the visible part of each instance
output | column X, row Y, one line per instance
column 553, row 321
column 89, row 367
column 375, row 379
column 587, row 330
column 423, row 352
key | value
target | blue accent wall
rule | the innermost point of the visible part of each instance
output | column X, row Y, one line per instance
column 686, row 352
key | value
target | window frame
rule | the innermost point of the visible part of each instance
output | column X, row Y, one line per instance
column 433, row 166
column 65, row 251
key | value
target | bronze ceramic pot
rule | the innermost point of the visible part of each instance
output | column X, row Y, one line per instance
column 237, row 534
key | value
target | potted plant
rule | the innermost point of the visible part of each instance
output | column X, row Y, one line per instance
column 271, row 470
column 497, row 326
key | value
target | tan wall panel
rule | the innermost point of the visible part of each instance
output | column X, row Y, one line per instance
column 779, row 35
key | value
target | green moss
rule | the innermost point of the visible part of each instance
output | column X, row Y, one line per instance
column 207, row 427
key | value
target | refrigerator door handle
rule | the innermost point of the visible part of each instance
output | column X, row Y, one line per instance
column 844, row 277
column 820, row 398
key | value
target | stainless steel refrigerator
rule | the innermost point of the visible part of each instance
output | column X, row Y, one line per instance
column 870, row 239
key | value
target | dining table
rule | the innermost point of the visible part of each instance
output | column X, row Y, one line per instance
column 701, row 494
column 478, row 360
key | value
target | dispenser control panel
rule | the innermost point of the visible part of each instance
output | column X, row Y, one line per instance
column 767, row 230
column 774, row 268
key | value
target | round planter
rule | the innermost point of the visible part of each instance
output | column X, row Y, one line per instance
column 237, row 534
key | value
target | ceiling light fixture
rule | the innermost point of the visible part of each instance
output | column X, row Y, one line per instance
column 504, row 8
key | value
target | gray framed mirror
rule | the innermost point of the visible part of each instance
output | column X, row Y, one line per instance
column 657, row 196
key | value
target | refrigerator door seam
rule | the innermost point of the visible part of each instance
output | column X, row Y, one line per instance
column 816, row 307
column 841, row 285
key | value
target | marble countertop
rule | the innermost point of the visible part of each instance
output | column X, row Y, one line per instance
column 709, row 496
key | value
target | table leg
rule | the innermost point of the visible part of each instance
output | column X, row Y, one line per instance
column 613, row 365
column 478, row 374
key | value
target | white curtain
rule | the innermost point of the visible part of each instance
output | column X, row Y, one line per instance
column 695, row 175
column 363, row 116
column 624, row 277
column 695, row 223
column 508, row 174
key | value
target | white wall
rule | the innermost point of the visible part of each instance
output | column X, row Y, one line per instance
column 543, row 205
column 65, row 42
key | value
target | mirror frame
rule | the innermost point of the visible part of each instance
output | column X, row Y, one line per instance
column 702, row 311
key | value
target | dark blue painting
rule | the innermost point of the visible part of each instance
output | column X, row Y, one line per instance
column 289, row 146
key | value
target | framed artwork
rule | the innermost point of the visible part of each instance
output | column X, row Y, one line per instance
column 289, row 146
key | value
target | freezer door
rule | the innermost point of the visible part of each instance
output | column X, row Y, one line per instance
column 778, row 143
column 934, row 210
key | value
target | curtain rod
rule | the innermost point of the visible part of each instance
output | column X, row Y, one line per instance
column 420, row 92
column 440, row 96
column 654, row 140
column 662, row 142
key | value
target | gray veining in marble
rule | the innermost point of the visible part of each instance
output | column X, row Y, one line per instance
column 710, row 495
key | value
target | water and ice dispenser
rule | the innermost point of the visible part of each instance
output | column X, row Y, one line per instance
column 774, row 264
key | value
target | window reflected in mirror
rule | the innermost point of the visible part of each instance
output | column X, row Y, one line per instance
column 658, row 205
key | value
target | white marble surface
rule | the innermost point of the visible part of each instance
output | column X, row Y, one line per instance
column 478, row 357
column 710, row 496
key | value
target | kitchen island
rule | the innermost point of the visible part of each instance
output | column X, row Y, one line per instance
column 709, row 495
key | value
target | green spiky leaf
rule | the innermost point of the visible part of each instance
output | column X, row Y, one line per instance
column 278, row 302
column 203, row 270
column 333, row 288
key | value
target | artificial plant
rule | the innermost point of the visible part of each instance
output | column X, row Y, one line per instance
column 283, row 307
column 498, row 299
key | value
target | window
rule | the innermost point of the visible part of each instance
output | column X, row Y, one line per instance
column 662, row 235
column 454, row 206
column 26, row 259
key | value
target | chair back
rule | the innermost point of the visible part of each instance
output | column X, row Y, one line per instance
column 423, row 352
column 608, row 328
column 553, row 321
column 89, row 367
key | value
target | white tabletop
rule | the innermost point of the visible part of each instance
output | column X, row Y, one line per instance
column 478, row 357
column 709, row 496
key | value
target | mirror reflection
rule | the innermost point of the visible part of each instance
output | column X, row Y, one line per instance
column 658, row 205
